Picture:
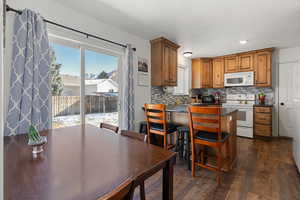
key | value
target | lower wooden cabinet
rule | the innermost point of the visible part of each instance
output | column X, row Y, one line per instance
column 262, row 121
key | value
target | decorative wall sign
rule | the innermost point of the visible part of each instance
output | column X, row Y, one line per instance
column 143, row 72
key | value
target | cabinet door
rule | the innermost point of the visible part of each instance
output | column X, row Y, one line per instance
column 246, row 62
column 196, row 79
column 218, row 73
column 231, row 64
column 166, row 64
column 172, row 67
column 263, row 76
column 206, row 74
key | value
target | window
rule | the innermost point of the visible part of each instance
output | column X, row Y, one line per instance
column 182, row 81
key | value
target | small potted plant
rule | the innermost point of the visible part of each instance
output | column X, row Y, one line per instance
column 35, row 140
column 262, row 98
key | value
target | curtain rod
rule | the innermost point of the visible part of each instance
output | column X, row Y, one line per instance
column 8, row 8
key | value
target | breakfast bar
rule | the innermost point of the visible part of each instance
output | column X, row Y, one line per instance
column 178, row 114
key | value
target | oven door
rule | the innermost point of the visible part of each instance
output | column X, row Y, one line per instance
column 245, row 117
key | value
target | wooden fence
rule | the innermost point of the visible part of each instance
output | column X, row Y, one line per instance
column 70, row 105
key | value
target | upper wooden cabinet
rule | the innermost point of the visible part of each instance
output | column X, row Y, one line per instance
column 246, row 62
column 242, row 62
column 231, row 64
column 218, row 73
column 263, row 69
column 163, row 62
column 209, row 72
column 202, row 72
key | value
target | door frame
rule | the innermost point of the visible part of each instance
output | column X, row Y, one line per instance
column 278, row 92
column 82, row 46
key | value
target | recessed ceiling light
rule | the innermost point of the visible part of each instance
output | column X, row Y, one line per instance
column 187, row 54
column 243, row 41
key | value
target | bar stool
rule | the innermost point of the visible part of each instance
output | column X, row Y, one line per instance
column 180, row 137
column 184, row 132
column 157, row 123
column 205, row 130
column 143, row 127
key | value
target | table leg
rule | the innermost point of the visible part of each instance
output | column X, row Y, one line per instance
column 168, row 181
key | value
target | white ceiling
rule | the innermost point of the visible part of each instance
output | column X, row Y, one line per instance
column 206, row 27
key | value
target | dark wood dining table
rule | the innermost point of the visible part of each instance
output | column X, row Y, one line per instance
column 81, row 162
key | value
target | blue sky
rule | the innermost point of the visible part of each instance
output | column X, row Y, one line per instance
column 94, row 62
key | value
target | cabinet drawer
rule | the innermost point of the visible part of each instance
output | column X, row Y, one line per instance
column 263, row 109
column 263, row 130
column 263, row 118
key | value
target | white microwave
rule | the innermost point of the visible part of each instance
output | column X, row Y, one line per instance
column 239, row 79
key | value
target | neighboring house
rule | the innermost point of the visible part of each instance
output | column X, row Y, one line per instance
column 100, row 86
column 71, row 85
column 92, row 87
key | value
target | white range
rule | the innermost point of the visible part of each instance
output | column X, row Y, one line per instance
column 244, row 103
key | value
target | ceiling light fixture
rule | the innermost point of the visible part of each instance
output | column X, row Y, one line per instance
column 187, row 54
column 243, row 41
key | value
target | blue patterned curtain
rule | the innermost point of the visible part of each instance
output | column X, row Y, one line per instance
column 127, row 91
column 29, row 84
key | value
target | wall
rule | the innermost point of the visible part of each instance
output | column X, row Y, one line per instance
column 61, row 14
column 286, row 56
column 1, row 101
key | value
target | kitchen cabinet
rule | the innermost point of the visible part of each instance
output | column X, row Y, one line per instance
column 246, row 62
column 263, row 68
column 163, row 62
column 231, row 64
column 202, row 73
column 242, row 62
column 209, row 72
column 218, row 73
column 262, row 121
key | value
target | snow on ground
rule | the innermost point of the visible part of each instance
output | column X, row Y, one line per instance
column 93, row 118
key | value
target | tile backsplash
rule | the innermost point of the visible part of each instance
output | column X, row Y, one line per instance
column 238, row 90
column 159, row 96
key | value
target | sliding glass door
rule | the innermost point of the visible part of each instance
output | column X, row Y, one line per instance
column 101, row 88
column 85, row 86
column 65, row 85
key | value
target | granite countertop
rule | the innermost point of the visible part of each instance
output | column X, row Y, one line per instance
column 183, row 109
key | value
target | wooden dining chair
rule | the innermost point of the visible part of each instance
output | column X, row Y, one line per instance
column 205, row 130
column 157, row 123
column 122, row 192
column 142, row 138
column 134, row 135
column 109, row 127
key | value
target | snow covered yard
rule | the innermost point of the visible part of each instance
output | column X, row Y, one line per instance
column 92, row 118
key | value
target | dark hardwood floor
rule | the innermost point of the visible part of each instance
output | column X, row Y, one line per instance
column 265, row 170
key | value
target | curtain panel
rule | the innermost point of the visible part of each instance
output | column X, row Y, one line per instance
column 29, row 82
column 127, row 90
